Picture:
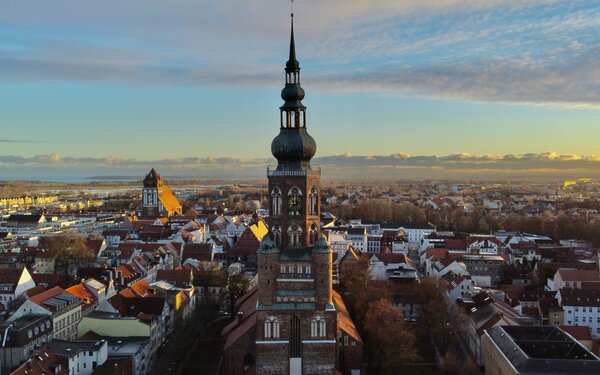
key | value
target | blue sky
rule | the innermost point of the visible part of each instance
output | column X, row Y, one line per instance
column 95, row 87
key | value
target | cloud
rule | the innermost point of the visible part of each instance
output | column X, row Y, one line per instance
column 395, row 166
column 525, row 51
column 17, row 141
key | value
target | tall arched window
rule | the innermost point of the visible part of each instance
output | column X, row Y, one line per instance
column 313, row 200
column 276, row 201
column 318, row 327
column 276, row 234
column 294, row 235
column 271, row 327
column 295, row 201
column 313, row 234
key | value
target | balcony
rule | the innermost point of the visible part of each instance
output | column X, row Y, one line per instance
column 273, row 172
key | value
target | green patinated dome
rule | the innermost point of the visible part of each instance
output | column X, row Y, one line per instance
column 267, row 246
column 321, row 246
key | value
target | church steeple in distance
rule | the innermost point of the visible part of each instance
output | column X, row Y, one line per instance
column 293, row 147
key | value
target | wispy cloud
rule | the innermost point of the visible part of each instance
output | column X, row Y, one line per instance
column 395, row 166
column 542, row 52
column 17, row 141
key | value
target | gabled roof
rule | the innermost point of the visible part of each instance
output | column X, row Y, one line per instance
column 580, row 297
column 179, row 277
column 43, row 363
column 388, row 258
column 198, row 251
column 249, row 241
column 55, row 299
column 345, row 322
column 579, row 275
column 82, row 292
column 236, row 329
column 11, row 275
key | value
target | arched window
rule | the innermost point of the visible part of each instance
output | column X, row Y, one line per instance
column 295, row 201
column 276, row 201
column 313, row 234
column 313, row 200
column 318, row 327
column 271, row 327
column 294, row 235
column 276, row 234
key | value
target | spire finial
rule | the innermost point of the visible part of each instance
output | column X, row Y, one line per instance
column 292, row 62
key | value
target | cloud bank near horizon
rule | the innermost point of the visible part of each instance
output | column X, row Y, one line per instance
column 547, row 165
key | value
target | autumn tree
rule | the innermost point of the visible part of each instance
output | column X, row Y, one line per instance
column 443, row 320
column 359, row 289
column 237, row 286
column 390, row 340
column 209, row 274
column 70, row 250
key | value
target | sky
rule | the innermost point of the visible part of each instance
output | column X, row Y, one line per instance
column 399, row 88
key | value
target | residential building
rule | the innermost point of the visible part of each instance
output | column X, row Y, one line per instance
column 64, row 308
column 581, row 308
column 82, row 356
column 22, row 337
column 42, row 363
column 512, row 350
column 13, row 283
column 576, row 279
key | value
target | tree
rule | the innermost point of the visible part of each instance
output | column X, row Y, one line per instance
column 209, row 274
column 391, row 341
column 442, row 319
column 360, row 290
column 70, row 250
column 237, row 286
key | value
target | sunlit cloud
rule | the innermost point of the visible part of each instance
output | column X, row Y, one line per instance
column 396, row 166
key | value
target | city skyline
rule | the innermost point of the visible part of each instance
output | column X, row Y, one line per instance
column 445, row 85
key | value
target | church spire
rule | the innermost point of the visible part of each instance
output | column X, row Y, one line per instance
column 292, row 62
column 293, row 147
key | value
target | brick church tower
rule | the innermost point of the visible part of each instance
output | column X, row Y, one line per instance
column 296, row 317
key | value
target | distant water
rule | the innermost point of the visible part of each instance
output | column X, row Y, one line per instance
column 69, row 179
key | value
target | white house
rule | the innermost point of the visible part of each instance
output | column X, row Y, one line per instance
column 83, row 357
column 13, row 283
column 581, row 308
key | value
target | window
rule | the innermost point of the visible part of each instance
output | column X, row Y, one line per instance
column 294, row 201
column 271, row 327
column 276, row 201
column 307, row 270
column 313, row 233
column 276, row 234
column 313, row 200
column 318, row 327
column 295, row 235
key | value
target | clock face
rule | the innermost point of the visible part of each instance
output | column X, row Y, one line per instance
column 294, row 203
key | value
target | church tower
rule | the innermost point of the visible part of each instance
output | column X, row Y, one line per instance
column 296, row 318
column 157, row 197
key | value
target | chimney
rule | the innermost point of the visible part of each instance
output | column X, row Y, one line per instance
column 240, row 317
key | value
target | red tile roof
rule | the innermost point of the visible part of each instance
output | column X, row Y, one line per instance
column 43, row 363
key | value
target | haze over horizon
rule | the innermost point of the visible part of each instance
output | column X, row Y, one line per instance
column 444, row 88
